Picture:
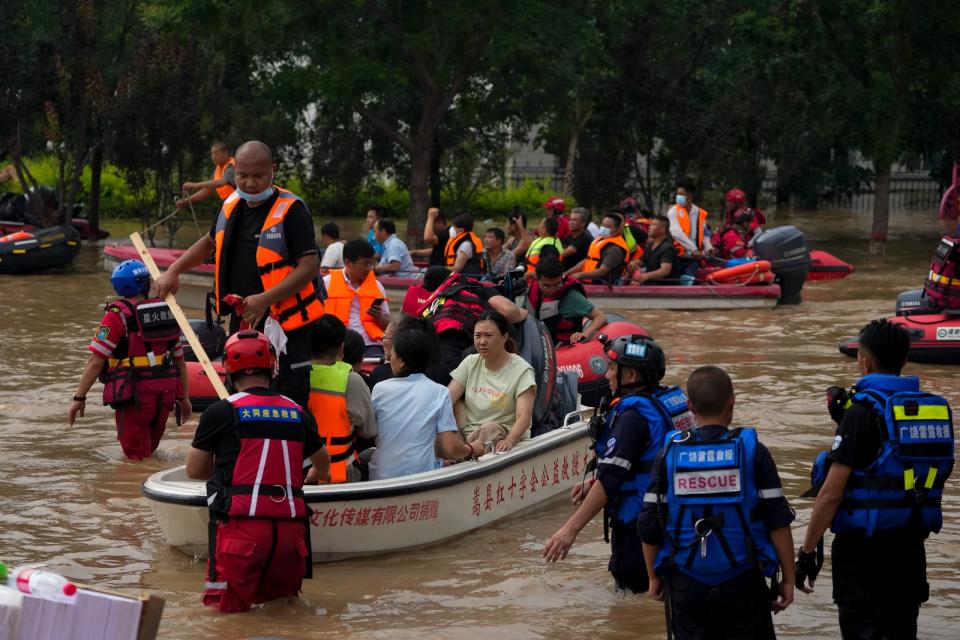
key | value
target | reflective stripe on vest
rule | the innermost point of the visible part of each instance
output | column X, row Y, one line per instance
column 340, row 297
column 151, row 357
column 903, row 487
column 662, row 410
column 693, row 232
column 225, row 190
column 328, row 404
column 475, row 265
column 274, row 263
column 267, row 477
column 713, row 532
column 595, row 252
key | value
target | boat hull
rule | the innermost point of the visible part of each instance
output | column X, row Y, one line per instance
column 639, row 298
column 388, row 516
column 934, row 339
column 51, row 248
column 826, row 266
column 587, row 361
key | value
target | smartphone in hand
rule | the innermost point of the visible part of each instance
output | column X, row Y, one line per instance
column 375, row 305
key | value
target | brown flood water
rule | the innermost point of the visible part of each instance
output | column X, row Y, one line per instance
column 67, row 498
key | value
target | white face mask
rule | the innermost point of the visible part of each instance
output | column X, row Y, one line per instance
column 454, row 232
column 681, row 200
column 257, row 198
column 604, row 232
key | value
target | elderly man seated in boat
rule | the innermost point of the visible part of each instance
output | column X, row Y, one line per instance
column 493, row 390
column 607, row 257
column 561, row 304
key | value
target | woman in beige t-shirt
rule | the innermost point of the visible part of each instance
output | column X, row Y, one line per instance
column 493, row 390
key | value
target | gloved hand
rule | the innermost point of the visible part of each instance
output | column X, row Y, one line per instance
column 837, row 399
column 808, row 567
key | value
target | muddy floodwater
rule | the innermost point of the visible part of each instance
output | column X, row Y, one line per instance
column 68, row 499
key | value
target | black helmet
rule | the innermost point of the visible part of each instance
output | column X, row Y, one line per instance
column 638, row 352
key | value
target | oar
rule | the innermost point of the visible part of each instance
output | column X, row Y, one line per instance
column 181, row 318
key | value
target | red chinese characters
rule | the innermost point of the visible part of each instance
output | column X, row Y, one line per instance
column 377, row 516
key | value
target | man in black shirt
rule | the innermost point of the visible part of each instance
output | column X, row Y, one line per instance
column 255, row 254
column 880, row 506
column 713, row 526
column 436, row 233
column 577, row 244
column 659, row 260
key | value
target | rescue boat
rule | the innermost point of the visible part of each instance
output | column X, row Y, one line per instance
column 25, row 252
column 388, row 516
column 826, row 266
column 587, row 362
column 934, row 335
column 194, row 284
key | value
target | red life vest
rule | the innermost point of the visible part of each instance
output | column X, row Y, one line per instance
column 732, row 243
column 414, row 298
column 561, row 327
column 943, row 282
column 143, row 358
column 267, row 477
column 456, row 308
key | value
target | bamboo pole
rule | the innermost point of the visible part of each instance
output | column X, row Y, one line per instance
column 181, row 318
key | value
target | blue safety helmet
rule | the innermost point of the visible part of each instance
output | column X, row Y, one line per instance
column 130, row 278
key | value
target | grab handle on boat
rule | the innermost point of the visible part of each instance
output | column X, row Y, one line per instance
column 576, row 416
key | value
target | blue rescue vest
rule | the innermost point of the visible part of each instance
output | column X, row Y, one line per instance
column 904, row 485
column 665, row 409
column 711, row 530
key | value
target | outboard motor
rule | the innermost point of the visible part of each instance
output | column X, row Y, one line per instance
column 786, row 250
column 915, row 302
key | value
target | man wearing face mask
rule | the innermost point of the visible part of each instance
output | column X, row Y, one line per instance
column 607, row 255
column 688, row 226
column 266, row 252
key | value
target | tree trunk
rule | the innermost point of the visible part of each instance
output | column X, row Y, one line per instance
column 96, row 167
column 881, row 211
column 572, row 145
column 435, row 183
column 419, row 189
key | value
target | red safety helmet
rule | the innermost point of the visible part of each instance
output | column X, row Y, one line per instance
column 736, row 197
column 556, row 204
column 248, row 350
column 629, row 204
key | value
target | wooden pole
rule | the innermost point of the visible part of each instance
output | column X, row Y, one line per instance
column 181, row 318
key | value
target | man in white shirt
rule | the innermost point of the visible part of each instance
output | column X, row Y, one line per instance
column 396, row 260
column 332, row 248
column 688, row 226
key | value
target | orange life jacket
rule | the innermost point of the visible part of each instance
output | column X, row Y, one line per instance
column 596, row 251
column 340, row 297
column 328, row 404
column 273, row 260
column 683, row 217
column 475, row 265
column 224, row 191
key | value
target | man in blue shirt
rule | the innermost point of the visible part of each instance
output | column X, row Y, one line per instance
column 374, row 213
column 395, row 258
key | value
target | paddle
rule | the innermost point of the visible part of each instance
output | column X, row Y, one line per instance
column 181, row 318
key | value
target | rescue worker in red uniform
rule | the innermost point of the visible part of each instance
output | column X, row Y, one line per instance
column 250, row 447
column 223, row 182
column 735, row 203
column 136, row 353
column 734, row 240
column 561, row 305
column 265, row 251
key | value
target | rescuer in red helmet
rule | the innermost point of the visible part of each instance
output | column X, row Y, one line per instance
column 250, row 449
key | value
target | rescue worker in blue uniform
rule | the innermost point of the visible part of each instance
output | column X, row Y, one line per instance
column 627, row 438
column 879, row 491
column 715, row 523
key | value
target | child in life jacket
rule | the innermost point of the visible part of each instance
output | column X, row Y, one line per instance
column 136, row 353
